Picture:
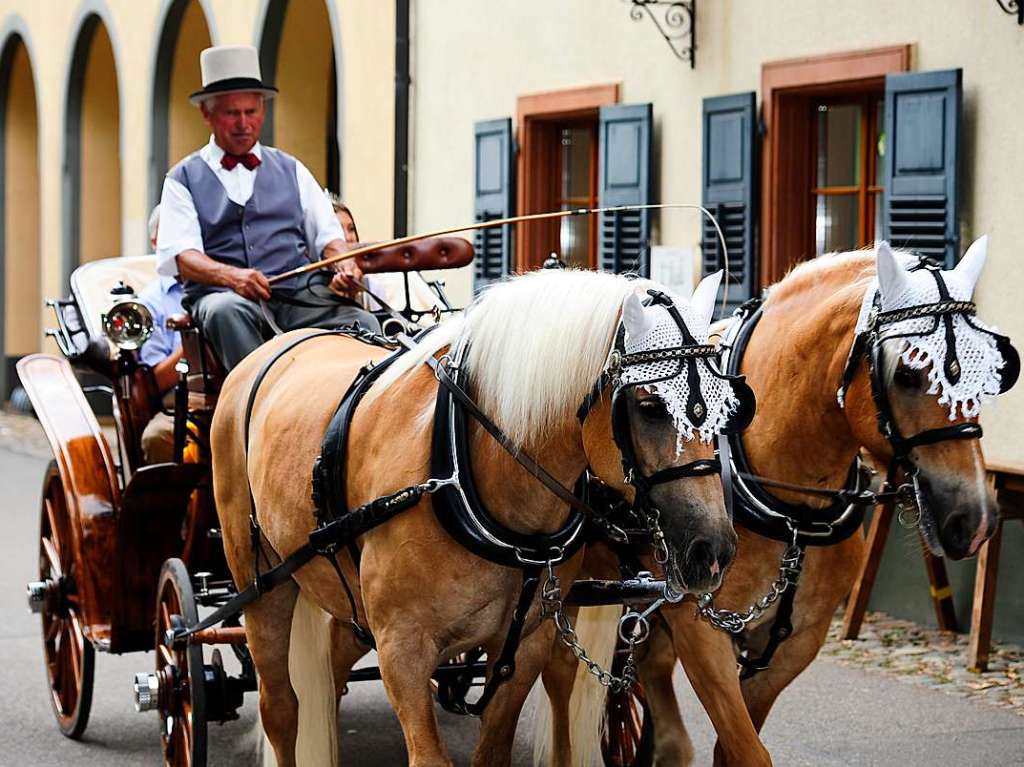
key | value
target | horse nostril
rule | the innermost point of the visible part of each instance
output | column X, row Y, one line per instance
column 700, row 554
column 957, row 532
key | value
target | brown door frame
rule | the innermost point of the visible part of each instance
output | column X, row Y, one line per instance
column 787, row 87
column 537, row 119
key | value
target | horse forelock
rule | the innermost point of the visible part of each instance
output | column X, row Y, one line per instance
column 537, row 344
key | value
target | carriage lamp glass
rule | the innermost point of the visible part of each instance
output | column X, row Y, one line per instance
column 128, row 324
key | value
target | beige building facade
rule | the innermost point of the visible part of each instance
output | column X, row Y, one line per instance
column 510, row 52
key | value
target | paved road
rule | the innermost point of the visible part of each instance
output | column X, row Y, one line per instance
column 832, row 716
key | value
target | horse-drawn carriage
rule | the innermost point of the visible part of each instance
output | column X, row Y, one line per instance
column 128, row 550
column 131, row 554
column 619, row 393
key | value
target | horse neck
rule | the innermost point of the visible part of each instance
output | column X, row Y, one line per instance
column 515, row 497
column 794, row 363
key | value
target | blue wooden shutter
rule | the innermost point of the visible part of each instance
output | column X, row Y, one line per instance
column 624, row 178
column 494, row 191
column 922, row 163
column 729, row 189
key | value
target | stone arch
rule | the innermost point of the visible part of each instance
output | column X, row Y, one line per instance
column 300, row 53
column 176, row 127
column 20, row 263
column 92, row 158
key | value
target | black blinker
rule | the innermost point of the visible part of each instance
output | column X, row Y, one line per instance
column 1011, row 364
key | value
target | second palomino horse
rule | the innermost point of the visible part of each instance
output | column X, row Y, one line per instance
column 853, row 351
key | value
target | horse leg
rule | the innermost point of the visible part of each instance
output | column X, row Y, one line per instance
column 267, row 630
column 829, row 573
column 710, row 664
column 407, row 661
column 499, row 720
column 558, row 676
column 672, row 744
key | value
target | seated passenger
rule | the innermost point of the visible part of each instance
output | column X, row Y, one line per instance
column 235, row 213
column 161, row 352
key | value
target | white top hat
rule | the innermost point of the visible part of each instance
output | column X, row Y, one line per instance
column 231, row 69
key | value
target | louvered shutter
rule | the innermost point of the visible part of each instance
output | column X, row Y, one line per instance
column 729, row 185
column 624, row 178
column 493, row 190
column 922, row 159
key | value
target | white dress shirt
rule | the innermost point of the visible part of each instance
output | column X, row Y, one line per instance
column 179, row 223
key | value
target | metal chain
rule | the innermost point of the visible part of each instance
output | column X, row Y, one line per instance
column 733, row 622
column 551, row 607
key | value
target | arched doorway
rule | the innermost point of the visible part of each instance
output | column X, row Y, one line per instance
column 20, row 300
column 92, row 162
column 178, row 128
column 297, row 55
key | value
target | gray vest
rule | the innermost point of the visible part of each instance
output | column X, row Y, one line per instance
column 267, row 233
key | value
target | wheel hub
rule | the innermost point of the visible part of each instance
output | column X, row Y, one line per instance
column 44, row 596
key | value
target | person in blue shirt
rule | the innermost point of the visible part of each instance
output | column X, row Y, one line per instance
column 161, row 352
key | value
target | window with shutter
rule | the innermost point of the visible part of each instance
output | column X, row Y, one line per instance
column 624, row 178
column 922, row 137
column 493, row 194
column 729, row 184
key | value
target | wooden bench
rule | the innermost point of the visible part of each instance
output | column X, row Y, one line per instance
column 1008, row 482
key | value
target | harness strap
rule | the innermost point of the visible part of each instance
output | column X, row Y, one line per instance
column 505, row 666
column 781, row 630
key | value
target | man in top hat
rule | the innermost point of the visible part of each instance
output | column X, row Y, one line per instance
column 235, row 212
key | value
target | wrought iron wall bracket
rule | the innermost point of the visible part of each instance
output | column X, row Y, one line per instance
column 1013, row 7
column 677, row 25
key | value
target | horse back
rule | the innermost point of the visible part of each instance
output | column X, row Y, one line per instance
column 292, row 408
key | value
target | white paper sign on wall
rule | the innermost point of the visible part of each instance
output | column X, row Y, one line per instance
column 673, row 268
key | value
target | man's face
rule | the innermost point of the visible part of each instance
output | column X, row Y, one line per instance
column 235, row 120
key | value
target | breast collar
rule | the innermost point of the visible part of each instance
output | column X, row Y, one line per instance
column 753, row 506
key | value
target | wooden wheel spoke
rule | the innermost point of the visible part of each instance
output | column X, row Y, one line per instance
column 164, row 654
column 165, row 616
column 52, row 558
column 50, row 630
column 51, row 516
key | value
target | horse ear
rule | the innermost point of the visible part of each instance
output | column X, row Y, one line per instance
column 973, row 262
column 634, row 317
column 891, row 277
column 704, row 295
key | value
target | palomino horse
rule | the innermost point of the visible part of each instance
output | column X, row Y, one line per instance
column 796, row 360
column 533, row 349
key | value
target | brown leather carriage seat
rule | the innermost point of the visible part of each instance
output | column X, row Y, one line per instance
column 420, row 255
column 205, row 373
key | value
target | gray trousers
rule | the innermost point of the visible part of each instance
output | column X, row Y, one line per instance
column 235, row 325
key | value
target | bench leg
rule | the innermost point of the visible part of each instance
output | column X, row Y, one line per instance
column 940, row 590
column 984, row 602
column 857, row 604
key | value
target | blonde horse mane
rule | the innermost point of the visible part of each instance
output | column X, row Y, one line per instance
column 537, row 344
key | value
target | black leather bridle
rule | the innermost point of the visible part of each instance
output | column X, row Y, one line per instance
column 869, row 345
column 686, row 354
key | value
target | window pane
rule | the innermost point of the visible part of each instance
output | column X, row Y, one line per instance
column 574, row 240
column 835, row 223
column 838, row 145
column 576, row 149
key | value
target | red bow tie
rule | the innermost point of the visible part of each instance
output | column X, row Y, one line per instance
column 249, row 160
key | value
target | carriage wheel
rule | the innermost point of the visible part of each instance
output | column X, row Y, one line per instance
column 179, row 669
column 70, row 657
column 627, row 737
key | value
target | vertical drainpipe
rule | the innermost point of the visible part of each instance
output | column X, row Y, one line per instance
column 401, row 117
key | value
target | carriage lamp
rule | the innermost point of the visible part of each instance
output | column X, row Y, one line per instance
column 128, row 324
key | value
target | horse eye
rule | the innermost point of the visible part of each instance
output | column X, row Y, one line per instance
column 653, row 409
column 907, row 378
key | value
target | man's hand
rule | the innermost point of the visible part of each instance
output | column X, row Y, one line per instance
column 199, row 267
column 250, row 283
column 346, row 278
